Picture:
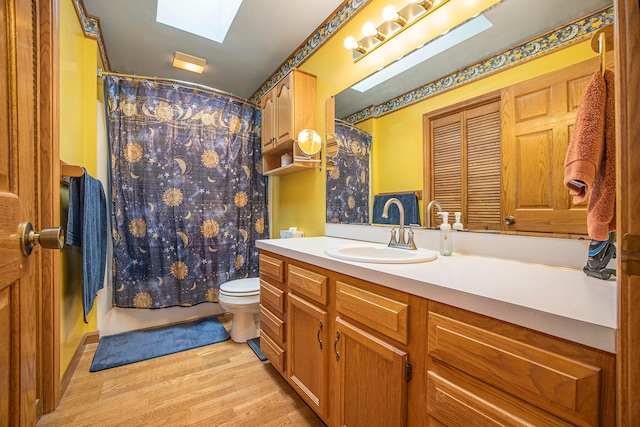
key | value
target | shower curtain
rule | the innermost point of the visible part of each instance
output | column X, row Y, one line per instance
column 348, row 176
column 189, row 199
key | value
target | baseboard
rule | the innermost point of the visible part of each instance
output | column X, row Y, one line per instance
column 88, row 338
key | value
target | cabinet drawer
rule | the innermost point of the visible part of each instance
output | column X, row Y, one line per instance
column 272, row 267
column 456, row 405
column 272, row 324
column 309, row 284
column 380, row 313
column 273, row 352
column 272, row 296
column 536, row 375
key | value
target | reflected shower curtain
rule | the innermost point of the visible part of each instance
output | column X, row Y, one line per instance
column 189, row 199
column 348, row 176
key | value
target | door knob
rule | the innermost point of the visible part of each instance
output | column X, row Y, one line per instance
column 510, row 220
column 50, row 238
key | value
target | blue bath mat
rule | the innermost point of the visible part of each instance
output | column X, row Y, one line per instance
column 135, row 346
column 254, row 343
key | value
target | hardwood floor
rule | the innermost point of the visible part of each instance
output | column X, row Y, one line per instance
column 222, row 384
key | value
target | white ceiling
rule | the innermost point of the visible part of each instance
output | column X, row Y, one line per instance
column 263, row 35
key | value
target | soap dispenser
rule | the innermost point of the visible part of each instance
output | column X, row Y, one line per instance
column 458, row 224
column 445, row 235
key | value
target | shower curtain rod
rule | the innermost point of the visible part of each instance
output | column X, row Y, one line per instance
column 346, row 123
column 180, row 82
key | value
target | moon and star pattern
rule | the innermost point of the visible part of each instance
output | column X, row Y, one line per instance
column 189, row 198
column 348, row 177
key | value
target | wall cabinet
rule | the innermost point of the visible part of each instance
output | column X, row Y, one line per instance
column 361, row 354
column 287, row 109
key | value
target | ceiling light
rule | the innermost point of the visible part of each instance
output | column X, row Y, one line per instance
column 188, row 62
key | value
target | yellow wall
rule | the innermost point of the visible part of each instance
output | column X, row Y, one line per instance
column 396, row 154
column 78, row 86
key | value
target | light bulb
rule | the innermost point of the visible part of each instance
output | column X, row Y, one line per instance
column 368, row 29
column 389, row 13
column 350, row 43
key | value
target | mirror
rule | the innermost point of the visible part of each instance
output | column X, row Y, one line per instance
column 309, row 142
column 513, row 23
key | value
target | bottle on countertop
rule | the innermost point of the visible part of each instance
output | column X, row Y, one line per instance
column 445, row 235
column 458, row 224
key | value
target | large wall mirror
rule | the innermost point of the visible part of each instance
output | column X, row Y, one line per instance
column 512, row 23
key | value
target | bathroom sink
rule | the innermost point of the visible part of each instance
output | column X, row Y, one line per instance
column 381, row 254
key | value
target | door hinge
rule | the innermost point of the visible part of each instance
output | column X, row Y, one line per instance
column 407, row 372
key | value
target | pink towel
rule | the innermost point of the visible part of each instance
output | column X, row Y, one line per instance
column 590, row 161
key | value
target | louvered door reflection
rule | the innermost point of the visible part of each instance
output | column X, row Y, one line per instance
column 465, row 165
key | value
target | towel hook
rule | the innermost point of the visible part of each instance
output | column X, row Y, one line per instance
column 601, row 42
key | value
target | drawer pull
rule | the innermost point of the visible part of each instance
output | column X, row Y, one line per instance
column 335, row 346
column 320, row 330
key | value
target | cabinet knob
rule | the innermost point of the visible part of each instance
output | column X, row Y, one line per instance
column 510, row 220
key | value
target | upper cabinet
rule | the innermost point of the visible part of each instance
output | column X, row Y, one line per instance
column 287, row 109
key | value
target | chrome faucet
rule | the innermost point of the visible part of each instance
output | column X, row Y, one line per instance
column 429, row 206
column 401, row 243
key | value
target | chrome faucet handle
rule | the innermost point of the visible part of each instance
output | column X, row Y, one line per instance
column 394, row 240
column 411, row 244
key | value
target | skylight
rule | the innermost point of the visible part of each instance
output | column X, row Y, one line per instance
column 458, row 35
column 206, row 18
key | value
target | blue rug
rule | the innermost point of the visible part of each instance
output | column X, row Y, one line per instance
column 135, row 346
column 254, row 343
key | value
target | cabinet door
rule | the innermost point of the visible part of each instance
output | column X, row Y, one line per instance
column 373, row 379
column 284, row 104
column 307, row 352
column 268, row 121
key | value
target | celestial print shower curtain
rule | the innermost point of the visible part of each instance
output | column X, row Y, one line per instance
column 189, row 199
column 348, row 176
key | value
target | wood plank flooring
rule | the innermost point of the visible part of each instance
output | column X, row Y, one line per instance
column 222, row 384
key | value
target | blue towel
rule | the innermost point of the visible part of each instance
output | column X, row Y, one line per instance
column 409, row 202
column 87, row 227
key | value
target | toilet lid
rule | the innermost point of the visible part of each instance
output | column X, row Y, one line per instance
column 241, row 287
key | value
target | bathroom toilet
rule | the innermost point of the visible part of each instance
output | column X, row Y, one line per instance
column 241, row 298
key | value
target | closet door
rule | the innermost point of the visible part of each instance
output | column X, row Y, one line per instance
column 464, row 149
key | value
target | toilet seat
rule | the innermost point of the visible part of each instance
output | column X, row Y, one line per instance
column 241, row 288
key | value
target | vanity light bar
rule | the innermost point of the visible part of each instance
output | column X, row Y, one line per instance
column 394, row 23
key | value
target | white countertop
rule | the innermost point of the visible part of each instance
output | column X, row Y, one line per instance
column 559, row 301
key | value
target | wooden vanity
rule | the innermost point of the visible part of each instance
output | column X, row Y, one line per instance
column 365, row 354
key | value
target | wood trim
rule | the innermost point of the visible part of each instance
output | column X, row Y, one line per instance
column 627, row 45
column 88, row 338
column 49, row 64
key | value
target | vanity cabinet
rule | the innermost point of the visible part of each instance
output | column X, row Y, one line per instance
column 482, row 371
column 373, row 371
column 272, row 310
column 287, row 109
column 308, row 349
column 362, row 354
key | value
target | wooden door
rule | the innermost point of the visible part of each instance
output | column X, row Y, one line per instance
column 307, row 351
column 373, row 379
column 628, row 215
column 537, row 119
column 19, row 174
